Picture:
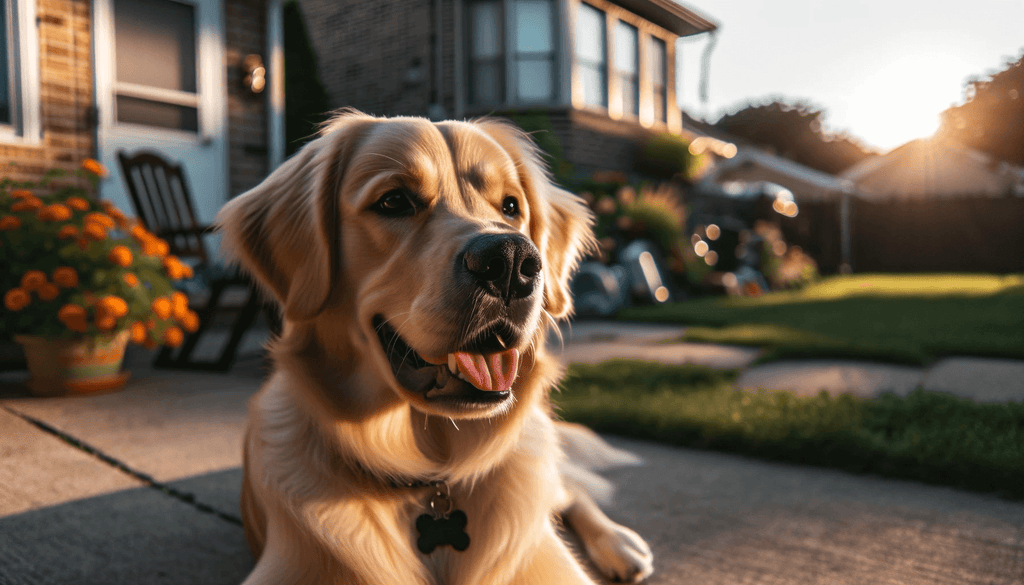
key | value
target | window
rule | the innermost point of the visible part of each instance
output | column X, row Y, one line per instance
column 534, row 50
column 626, row 67
column 656, row 61
column 19, row 71
column 590, row 55
column 6, row 89
column 155, row 55
column 486, row 57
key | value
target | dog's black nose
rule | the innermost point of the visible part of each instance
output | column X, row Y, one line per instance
column 505, row 265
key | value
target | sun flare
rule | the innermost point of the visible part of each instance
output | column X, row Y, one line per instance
column 902, row 100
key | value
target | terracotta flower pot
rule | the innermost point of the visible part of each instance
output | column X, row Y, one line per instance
column 61, row 367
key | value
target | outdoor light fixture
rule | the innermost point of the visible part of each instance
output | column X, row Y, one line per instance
column 254, row 74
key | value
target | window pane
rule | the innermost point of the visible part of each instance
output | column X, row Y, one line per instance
column 659, row 104
column 532, row 20
column 150, row 113
column 657, row 61
column 486, row 34
column 625, row 48
column 486, row 83
column 155, row 43
column 590, row 34
column 5, row 76
column 630, row 96
column 593, row 85
column 534, row 80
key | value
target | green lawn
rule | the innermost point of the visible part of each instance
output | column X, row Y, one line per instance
column 927, row 437
column 911, row 319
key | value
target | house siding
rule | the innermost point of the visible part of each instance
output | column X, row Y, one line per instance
column 66, row 94
column 248, row 141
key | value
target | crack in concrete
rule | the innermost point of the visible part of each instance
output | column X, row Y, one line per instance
column 147, row 479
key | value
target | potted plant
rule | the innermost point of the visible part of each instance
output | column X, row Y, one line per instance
column 80, row 280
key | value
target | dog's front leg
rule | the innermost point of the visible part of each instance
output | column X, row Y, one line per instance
column 551, row 563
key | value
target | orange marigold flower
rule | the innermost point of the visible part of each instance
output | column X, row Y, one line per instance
column 77, row 203
column 66, row 277
column 120, row 218
column 121, row 256
column 16, row 299
column 83, row 243
column 48, row 291
column 139, row 233
column 179, row 305
column 94, row 167
column 33, row 279
column 73, row 317
column 94, row 231
column 9, row 222
column 130, row 279
column 173, row 336
column 22, row 194
column 106, row 322
column 173, row 267
column 113, row 306
column 55, row 212
column 139, row 333
column 154, row 246
column 27, row 204
column 190, row 321
column 162, row 307
column 101, row 218
column 67, row 232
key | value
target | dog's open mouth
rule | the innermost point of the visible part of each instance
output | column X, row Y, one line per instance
column 482, row 372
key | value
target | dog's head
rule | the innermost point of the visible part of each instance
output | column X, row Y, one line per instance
column 438, row 248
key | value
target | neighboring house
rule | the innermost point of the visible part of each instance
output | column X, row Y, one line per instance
column 603, row 73
column 934, row 168
column 84, row 79
column 753, row 165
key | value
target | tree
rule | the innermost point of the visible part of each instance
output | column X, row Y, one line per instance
column 794, row 131
column 991, row 119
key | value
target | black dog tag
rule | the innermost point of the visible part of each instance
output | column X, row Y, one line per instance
column 435, row 532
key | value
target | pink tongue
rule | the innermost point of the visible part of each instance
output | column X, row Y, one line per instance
column 494, row 372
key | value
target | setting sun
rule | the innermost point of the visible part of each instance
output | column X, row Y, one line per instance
column 902, row 99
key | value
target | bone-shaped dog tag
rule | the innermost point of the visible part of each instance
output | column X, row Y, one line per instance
column 435, row 532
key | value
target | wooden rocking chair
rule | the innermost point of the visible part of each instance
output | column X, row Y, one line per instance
column 162, row 202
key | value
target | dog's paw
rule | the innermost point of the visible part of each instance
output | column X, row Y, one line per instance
column 621, row 555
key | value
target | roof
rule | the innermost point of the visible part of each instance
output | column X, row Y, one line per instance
column 753, row 165
column 937, row 168
column 671, row 15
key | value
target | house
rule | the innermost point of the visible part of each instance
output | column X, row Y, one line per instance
column 199, row 81
column 601, row 75
column 934, row 168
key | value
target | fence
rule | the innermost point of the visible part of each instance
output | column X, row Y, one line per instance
column 967, row 234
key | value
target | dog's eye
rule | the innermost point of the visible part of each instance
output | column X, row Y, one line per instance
column 510, row 207
column 395, row 203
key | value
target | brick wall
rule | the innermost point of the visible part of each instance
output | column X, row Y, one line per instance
column 246, row 26
column 595, row 142
column 366, row 50
column 66, row 90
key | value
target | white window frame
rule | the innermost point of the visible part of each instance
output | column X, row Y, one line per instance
column 23, row 46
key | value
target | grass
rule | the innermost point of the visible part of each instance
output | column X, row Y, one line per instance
column 928, row 437
column 911, row 319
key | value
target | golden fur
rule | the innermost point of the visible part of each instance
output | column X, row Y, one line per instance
column 333, row 437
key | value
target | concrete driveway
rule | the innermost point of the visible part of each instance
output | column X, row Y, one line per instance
column 141, row 486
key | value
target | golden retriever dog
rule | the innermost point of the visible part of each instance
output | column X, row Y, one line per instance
column 405, row 436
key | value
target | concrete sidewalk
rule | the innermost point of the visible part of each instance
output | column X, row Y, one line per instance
column 148, row 494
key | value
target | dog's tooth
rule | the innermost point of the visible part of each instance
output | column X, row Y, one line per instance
column 452, row 364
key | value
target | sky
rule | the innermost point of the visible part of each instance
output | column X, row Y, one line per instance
column 882, row 70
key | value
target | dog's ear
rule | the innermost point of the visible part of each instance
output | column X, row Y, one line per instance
column 561, row 224
column 285, row 232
